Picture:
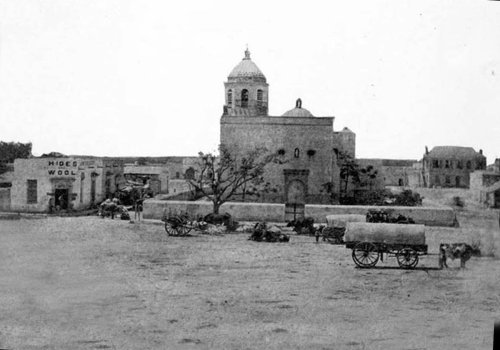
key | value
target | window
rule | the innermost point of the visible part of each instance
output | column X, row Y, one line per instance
column 437, row 180
column 177, row 175
column 447, row 180
column 459, row 164
column 230, row 98
column 190, row 174
column 244, row 98
column 435, row 163
column 259, row 98
column 446, row 163
column 458, row 181
column 469, row 164
column 32, row 191
column 296, row 153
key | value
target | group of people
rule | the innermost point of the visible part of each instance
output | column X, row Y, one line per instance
column 110, row 207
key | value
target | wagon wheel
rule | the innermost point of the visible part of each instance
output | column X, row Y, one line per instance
column 365, row 254
column 182, row 230
column 171, row 231
column 407, row 258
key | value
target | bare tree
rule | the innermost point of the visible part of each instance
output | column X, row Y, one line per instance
column 220, row 178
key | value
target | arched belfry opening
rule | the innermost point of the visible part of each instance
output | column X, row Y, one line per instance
column 244, row 98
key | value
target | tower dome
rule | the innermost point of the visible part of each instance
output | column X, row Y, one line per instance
column 246, row 70
column 246, row 90
column 298, row 111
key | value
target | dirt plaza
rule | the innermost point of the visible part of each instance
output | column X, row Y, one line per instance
column 91, row 283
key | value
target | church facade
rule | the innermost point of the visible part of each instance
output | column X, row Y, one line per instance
column 308, row 145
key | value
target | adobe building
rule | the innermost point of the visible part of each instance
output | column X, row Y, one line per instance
column 450, row 166
column 165, row 175
column 307, row 144
column 156, row 176
column 66, row 182
column 485, row 187
column 395, row 172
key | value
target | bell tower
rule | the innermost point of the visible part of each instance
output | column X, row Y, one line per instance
column 246, row 90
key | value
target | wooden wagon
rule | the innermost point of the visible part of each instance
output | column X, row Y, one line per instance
column 370, row 241
column 336, row 225
column 181, row 224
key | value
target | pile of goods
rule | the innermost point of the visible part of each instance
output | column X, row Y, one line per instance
column 263, row 233
column 303, row 226
column 383, row 216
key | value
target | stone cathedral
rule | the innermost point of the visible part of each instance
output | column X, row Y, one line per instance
column 308, row 144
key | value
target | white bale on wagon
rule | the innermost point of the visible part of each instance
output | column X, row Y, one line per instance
column 342, row 220
column 385, row 233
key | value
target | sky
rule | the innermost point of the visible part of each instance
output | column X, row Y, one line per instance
column 145, row 78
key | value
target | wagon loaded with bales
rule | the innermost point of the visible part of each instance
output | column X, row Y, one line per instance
column 336, row 225
column 370, row 241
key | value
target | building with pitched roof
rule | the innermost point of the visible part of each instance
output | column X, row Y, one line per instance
column 307, row 142
column 450, row 166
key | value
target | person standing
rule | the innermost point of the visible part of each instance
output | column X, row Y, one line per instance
column 138, row 209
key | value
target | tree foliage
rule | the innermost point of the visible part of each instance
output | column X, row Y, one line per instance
column 349, row 171
column 367, row 176
column 13, row 150
column 408, row 198
column 220, row 178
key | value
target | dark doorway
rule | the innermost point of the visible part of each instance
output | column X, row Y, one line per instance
column 295, row 200
column 457, row 181
column 400, row 182
column 92, row 190
column 62, row 198
column 497, row 199
column 294, row 211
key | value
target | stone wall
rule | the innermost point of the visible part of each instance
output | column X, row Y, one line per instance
column 154, row 209
column 394, row 172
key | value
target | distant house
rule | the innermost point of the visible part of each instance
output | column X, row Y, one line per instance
column 450, row 166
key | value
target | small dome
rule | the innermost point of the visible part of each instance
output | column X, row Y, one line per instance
column 347, row 130
column 246, row 70
column 298, row 111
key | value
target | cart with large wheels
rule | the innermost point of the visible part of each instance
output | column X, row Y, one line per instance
column 370, row 241
column 177, row 225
